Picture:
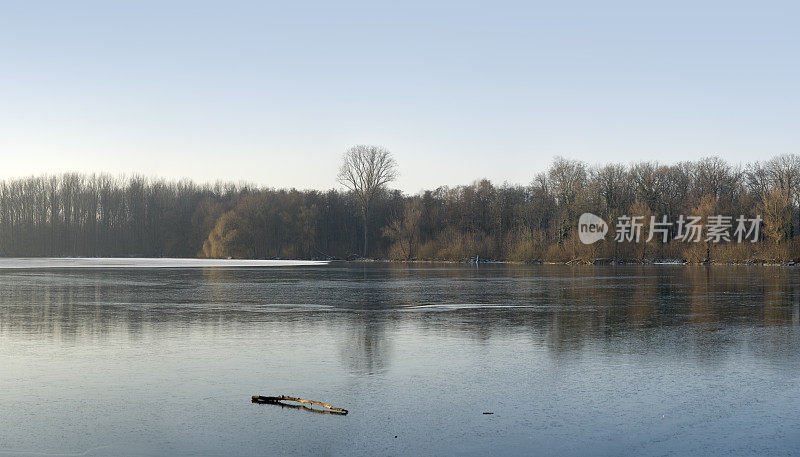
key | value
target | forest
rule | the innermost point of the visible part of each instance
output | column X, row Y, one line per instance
column 100, row 215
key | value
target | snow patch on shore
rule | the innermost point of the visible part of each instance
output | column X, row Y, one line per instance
column 94, row 262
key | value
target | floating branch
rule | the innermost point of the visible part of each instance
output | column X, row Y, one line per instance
column 279, row 400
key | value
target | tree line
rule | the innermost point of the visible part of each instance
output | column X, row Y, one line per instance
column 101, row 215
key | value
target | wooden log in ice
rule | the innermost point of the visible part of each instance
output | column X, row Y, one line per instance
column 280, row 398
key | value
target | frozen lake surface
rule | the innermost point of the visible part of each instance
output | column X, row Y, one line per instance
column 86, row 262
column 130, row 357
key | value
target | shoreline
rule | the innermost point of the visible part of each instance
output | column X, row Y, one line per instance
column 763, row 263
column 575, row 262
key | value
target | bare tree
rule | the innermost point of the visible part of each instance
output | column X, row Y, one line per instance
column 365, row 171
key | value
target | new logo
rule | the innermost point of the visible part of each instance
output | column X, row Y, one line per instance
column 591, row 228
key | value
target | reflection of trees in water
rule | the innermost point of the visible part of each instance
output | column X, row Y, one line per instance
column 643, row 301
column 701, row 310
column 574, row 306
column 561, row 308
column 364, row 347
column 779, row 296
column 731, row 295
column 98, row 303
column 66, row 306
column 796, row 309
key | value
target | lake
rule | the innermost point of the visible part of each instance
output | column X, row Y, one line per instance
column 130, row 358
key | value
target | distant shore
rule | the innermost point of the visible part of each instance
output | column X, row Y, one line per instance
column 595, row 262
column 167, row 262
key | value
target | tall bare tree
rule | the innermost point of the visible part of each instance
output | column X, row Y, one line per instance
column 365, row 171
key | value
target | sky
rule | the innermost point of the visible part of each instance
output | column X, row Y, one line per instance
column 272, row 93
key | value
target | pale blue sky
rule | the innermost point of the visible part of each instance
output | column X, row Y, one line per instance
column 274, row 92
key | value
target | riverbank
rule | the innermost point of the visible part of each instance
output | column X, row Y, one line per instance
column 165, row 262
column 598, row 262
